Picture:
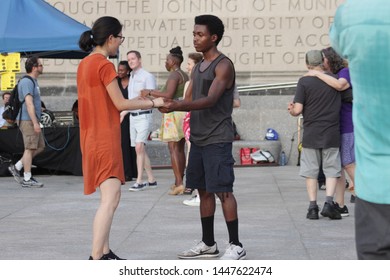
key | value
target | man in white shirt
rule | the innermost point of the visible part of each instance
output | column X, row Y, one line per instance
column 140, row 120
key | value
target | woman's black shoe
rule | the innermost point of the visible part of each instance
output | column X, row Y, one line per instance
column 102, row 258
column 111, row 256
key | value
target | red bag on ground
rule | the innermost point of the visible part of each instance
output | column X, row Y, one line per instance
column 245, row 156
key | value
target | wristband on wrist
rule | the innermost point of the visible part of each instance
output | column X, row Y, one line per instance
column 152, row 103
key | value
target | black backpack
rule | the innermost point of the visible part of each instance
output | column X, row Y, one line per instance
column 14, row 105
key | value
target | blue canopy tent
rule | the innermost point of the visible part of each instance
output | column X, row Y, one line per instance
column 35, row 27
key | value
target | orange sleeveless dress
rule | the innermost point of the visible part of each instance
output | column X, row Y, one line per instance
column 100, row 131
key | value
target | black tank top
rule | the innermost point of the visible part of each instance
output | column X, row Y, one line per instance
column 212, row 125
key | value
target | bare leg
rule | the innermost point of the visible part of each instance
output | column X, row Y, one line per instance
column 350, row 169
column 207, row 203
column 27, row 160
column 176, row 150
column 229, row 206
column 340, row 190
column 110, row 194
column 311, row 187
column 140, row 151
column 148, row 168
column 331, row 186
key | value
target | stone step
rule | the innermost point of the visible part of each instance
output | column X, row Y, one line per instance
column 159, row 153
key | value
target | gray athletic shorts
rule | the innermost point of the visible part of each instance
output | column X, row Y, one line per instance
column 311, row 160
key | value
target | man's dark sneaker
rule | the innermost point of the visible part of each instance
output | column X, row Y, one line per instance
column 312, row 213
column 330, row 211
column 16, row 173
column 342, row 210
column 137, row 187
column 353, row 198
column 32, row 183
column 150, row 185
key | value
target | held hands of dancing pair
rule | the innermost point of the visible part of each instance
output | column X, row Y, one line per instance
column 165, row 105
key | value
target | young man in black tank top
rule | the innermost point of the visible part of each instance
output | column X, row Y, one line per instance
column 209, row 97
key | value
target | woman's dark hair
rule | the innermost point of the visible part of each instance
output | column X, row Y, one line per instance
column 98, row 35
column 125, row 64
column 30, row 63
column 335, row 61
column 196, row 57
column 177, row 54
column 214, row 25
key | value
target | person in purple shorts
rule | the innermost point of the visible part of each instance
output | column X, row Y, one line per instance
column 334, row 63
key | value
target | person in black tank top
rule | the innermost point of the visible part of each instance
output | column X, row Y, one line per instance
column 209, row 97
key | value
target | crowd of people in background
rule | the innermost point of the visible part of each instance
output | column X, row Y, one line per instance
column 115, row 110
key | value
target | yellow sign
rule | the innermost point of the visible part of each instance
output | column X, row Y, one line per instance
column 10, row 62
column 8, row 81
column 3, row 63
column 13, row 62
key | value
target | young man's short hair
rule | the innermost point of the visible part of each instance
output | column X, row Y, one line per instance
column 214, row 25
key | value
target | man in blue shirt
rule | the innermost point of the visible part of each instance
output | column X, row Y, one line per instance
column 361, row 34
column 28, row 122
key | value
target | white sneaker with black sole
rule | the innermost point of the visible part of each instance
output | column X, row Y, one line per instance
column 234, row 252
column 32, row 183
column 200, row 250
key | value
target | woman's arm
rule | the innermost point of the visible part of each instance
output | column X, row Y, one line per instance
column 338, row 84
column 170, row 87
column 123, row 104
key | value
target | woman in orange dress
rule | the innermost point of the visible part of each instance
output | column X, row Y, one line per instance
column 100, row 103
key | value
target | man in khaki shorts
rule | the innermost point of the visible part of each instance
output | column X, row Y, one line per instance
column 28, row 122
column 320, row 106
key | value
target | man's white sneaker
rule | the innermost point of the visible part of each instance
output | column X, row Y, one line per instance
column 32, row 183
column 200, row 250
column 16, row 173
column 234, row 252
column 193, row 201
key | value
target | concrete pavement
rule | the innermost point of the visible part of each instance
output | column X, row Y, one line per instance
column 55, row 222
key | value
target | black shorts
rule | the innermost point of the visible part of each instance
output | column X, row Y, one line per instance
column 211, row 167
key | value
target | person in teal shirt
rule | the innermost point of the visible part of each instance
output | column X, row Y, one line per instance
column 361, row 34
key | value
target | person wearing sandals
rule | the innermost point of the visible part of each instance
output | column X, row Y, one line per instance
column 171, row 130
column 100, row 103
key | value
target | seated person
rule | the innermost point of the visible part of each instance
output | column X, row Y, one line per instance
column 3, row 123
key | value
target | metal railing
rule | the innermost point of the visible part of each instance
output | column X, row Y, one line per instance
column 267, row 86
